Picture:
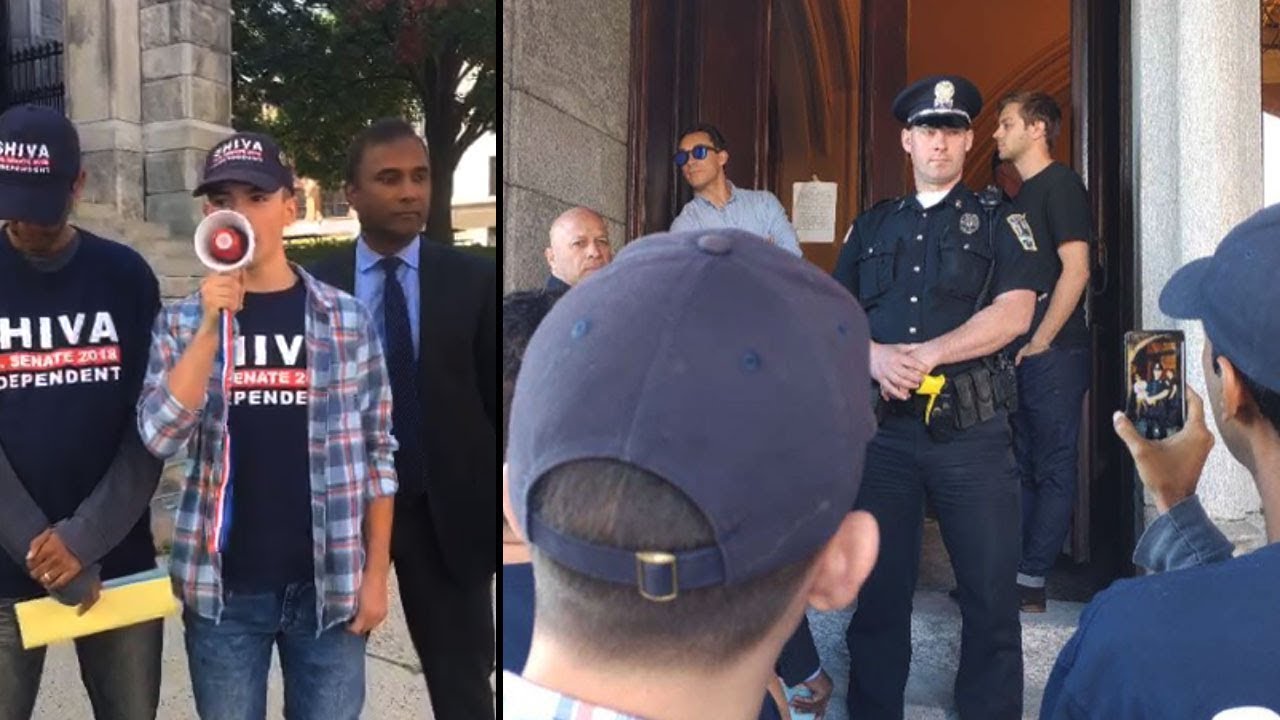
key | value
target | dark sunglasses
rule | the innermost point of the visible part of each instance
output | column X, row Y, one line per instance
column 699, row 152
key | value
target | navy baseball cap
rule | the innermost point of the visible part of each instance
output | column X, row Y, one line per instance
column 250, row 158
column 722, row 364
column 39, row 164
column 938, row 101
column 1235, row 294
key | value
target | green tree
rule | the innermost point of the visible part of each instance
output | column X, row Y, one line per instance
column 314, row 72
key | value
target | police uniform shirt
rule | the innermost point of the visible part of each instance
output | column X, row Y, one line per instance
column 918, row 272
column 1052, row 208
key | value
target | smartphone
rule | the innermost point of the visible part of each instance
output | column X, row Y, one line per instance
column 1155, row 381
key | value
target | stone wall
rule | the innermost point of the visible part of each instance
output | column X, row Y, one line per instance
column 1198, row 170
column 103, row 100
column 186, row 100
column 149, row 86
column 565, row 80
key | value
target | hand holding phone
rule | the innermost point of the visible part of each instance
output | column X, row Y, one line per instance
column 1155, row 382
column 1170, row 468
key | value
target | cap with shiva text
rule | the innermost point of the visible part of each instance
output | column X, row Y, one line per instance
column 39, row 164
column 250, row 158
column 721, row 364
column 938, row 101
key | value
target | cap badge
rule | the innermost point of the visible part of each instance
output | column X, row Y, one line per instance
column 943, row 94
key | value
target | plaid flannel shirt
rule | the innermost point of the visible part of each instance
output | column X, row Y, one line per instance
column 351, row 447
column 523, row 700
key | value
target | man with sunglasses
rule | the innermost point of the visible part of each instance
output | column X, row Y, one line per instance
column 717, row 203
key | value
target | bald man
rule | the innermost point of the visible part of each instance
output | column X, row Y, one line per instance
column 579, row 246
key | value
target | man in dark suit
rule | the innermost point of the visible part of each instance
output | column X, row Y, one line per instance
column 435, row 310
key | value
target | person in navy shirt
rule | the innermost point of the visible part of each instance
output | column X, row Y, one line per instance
column 75, row 478
column 1201, row 640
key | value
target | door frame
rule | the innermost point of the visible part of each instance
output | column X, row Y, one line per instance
column 665, row 95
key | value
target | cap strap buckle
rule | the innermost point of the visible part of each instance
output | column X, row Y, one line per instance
column 656, row 575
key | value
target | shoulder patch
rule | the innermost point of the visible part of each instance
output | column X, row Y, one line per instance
column 1022, row 230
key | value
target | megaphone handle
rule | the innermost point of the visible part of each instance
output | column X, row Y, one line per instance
column 222, row 508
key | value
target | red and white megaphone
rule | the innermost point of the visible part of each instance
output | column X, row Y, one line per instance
column 224, row 241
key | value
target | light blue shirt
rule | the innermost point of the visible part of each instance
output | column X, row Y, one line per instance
column 371, row 281
column 756, row 211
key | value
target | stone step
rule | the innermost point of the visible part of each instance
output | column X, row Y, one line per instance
column 935, row 653
column 170, row 257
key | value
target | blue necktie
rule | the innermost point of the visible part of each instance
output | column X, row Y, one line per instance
column 405, row 420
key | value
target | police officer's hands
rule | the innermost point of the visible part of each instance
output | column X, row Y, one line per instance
column 896, row 369
column 929, row 355
column 1170, row 468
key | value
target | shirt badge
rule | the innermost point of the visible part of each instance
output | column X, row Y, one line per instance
column 969, row 223
column 1022, row 230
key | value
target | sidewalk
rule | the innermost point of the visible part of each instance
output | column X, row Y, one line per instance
column 935, row 653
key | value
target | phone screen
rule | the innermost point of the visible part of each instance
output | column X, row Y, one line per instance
column 1155, row 394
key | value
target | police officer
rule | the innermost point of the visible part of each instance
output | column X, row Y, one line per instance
column 946, row 285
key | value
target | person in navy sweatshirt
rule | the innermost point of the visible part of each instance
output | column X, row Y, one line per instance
column 75, row 479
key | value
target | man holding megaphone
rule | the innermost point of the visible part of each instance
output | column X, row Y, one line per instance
column 275, row 383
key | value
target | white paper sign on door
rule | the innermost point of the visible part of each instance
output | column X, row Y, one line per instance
column 813, row 209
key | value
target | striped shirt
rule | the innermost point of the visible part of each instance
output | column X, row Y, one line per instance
column 523, row 700
column 351, row 447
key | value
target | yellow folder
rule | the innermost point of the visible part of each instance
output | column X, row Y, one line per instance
column 46, row 620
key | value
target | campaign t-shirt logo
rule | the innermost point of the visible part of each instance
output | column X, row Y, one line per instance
column 270, row 370
column 71, row 349
column 26, row 158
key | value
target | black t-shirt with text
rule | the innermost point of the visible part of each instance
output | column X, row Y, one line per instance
column 270, row 540
column 1052, row 208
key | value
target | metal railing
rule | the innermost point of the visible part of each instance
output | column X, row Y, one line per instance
column 32, row 74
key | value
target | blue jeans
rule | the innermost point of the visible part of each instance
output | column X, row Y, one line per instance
column 229, row 660
column 120, row 670
column 1046, row 432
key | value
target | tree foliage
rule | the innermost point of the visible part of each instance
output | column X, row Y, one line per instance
column 314, row 72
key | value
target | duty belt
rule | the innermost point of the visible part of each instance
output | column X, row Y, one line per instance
column 963, row 400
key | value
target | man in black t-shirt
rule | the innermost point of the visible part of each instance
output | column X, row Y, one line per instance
column 1051, row 210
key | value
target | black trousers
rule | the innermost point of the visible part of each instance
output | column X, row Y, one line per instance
column 450, row 622
column 974, row 488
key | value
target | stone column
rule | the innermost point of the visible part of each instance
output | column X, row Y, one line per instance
column 103, row 80
column 564, row 125
column 186, row 101
column 1197, row 123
